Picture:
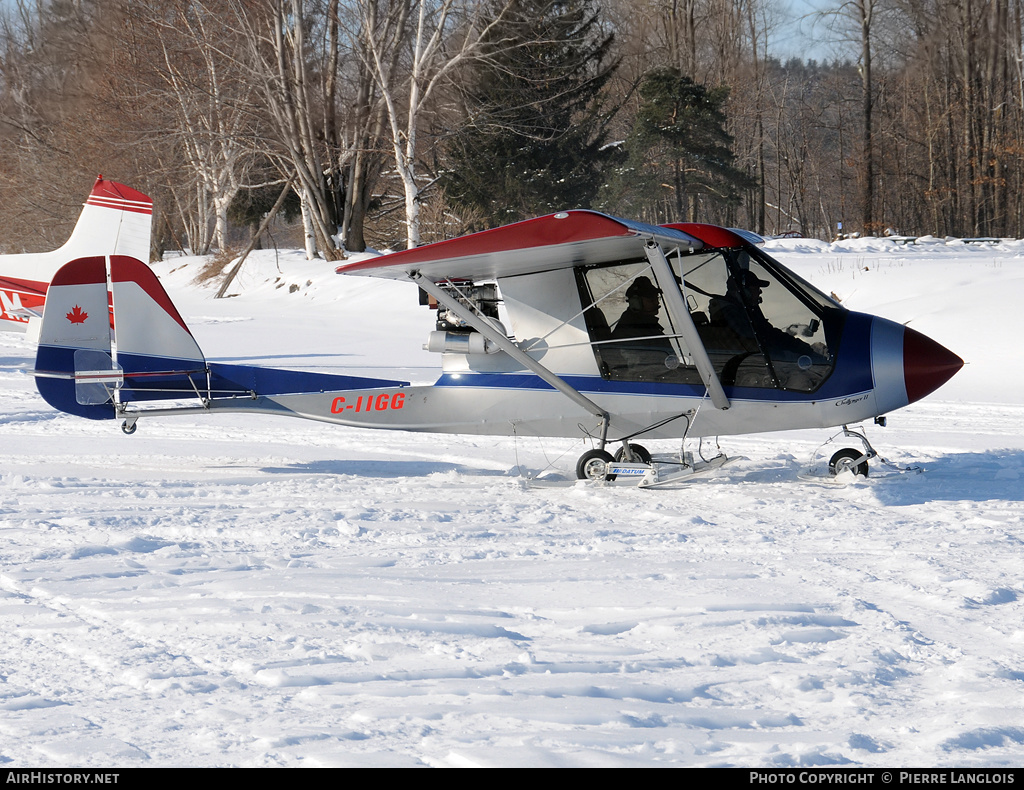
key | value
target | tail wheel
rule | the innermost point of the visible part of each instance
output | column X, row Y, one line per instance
column 640, row 454
column 846, row 460
column 593, row 465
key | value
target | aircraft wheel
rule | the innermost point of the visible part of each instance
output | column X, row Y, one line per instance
column 127, row 429
column 593, row 465
column 846, row 459
column 640, row 454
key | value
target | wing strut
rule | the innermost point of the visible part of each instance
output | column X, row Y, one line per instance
column 684, row 323
column 510, row 348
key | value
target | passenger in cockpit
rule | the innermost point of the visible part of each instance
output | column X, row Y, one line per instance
column 640, row 318
column 643, row 348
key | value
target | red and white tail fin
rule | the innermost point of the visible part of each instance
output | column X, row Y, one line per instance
column 115, row 220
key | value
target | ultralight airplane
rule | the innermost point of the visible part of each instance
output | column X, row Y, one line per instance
column 115, row 220
column 619, row 331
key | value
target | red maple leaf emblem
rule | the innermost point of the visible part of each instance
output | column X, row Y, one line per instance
column 77, row 316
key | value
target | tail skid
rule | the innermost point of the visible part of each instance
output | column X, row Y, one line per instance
column 91, row 367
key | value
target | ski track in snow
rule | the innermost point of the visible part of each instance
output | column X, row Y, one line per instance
column 251, row 591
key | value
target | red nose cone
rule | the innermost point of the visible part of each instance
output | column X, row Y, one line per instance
column 926, row 364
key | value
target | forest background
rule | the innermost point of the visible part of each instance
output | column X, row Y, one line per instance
column 388, row 123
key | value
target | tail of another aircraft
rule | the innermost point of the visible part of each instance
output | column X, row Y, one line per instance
column 115, row 221
column 92, row 367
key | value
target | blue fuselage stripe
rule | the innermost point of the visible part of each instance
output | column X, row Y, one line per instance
column 851, row 375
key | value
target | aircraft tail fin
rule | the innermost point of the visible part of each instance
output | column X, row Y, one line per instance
column 86, row 363
column 115, row 220
column 91, row 366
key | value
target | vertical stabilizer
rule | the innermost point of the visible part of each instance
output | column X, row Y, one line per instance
column 92, row 357
column 115, row 220
column 74, row 342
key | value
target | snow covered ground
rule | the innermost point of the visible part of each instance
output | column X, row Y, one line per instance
column 253, row 591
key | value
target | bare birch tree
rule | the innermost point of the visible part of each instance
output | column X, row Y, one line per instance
column 197, row 86
column 427, row 41
column 276, row 57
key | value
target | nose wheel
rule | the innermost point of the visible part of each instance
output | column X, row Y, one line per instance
column 848, row 460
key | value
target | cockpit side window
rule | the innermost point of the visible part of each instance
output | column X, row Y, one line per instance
column 789, row 326
column 722, row 321
column 631, row 333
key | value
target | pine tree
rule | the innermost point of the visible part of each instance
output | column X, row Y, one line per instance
column 535, row 128
column 678, row 154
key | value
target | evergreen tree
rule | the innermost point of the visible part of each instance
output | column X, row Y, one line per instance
column 534, row 133
column 678, row 153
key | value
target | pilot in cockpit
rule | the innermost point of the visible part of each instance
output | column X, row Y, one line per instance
column 744, row 296
column 740, row 310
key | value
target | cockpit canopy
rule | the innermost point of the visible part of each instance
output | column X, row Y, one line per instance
column 761, row 325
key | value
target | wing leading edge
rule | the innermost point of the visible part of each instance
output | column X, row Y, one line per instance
column 555, row 241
